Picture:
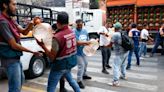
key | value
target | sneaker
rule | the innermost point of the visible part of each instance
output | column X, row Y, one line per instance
column 123, row 77
column 105, row 72
column 81, row 85
column 108, row 66
column 115, row 83
column 87, row 77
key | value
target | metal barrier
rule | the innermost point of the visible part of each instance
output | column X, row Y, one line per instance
column 25, row 13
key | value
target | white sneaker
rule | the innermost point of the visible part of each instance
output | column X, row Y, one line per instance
column 142, row 58
column 115, row 83
column 146, row 56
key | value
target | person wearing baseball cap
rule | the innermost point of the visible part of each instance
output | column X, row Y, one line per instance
column 120, row 55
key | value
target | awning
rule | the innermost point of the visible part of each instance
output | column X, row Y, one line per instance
column 149, row 2
column 120, row 2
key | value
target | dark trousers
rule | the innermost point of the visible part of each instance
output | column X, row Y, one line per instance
column 62, row 84
column 135, row 50
column 106, row 53
column 157, row 43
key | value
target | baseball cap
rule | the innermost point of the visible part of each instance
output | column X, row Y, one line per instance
column 118, row 25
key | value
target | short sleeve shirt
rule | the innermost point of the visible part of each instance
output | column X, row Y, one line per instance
column 5, row 31
column 81, row 35
column 117, row 41
column 136, row 36
column 144, row 34
column 104, row 40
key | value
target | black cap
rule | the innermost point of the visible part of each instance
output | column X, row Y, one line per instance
column 133, row 25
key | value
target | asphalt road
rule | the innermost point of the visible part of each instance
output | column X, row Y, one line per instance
column 148, row 77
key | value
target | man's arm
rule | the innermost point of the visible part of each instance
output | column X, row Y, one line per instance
column 130, row 34
column 110, row 45
column 150, row 38
column 50, row 53
column 84, row 43
column 7, row 35
column 17, row 46
column 102, row 32
column 26, row 30
column 112, row 41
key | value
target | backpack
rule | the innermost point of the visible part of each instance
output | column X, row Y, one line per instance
column 127, row 43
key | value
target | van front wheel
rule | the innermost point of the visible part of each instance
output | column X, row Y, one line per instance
column 36, row 67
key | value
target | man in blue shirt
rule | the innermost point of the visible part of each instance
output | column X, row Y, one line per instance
column 82, row 40
column 134, row 33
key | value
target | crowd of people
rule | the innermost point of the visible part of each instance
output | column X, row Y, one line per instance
column 67, row 49
column 113, row 36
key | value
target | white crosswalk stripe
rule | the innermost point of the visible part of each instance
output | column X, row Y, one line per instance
column 145, row 63
column 144, row 69
column 43, row 81
column 129, row 74
column 146, row 72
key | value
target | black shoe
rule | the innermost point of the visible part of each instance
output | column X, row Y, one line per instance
column 105, row 72
column 108, row 66
column 81, row 85
column 87, row 77
column 128, row 68
column 137, row 64
column 63, row 90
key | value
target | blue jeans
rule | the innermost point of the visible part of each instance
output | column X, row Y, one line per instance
column 119, row 62
column 55, row 76
column 136, row 50
column 82, row 67
column 15, row 76
column 143, row 49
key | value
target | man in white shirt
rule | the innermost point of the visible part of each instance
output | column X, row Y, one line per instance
column 105, row 38
column 144, row 38
column 111, row 28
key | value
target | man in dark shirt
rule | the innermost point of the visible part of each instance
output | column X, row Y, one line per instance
column 134, row 33
column 10, row 39
column 159, row 41
column 62, row 54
